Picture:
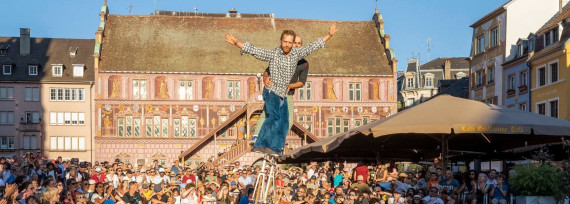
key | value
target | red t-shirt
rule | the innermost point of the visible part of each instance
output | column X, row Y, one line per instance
column 362, row 170
column 99, row 179
column 191, row 177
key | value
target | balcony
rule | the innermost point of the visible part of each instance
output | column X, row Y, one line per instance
column 511, row 92
column 523, row 89
column 30, row 127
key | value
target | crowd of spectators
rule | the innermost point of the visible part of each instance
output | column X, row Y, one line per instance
column 30, row 179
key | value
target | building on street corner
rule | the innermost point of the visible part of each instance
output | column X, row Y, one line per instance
column 45, row 96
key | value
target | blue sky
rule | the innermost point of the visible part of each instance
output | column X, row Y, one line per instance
column 409, row 22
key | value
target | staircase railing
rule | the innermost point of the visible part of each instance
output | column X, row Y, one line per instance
column 231, row 155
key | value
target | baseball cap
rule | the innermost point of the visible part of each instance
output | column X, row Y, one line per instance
column 417, row 197
column 98, row 169
column 360, row 178
column 144, row 186
column 233, row 183
column 161, row 170
column 129, row 171
column 143, row 170
column 403, row 175
column 91, row 182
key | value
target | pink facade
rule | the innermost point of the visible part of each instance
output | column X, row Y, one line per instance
column 162, row 102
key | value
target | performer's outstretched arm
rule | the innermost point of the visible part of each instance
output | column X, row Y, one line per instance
column 247, row 48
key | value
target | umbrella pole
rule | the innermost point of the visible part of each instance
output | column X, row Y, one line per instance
column 444, row 152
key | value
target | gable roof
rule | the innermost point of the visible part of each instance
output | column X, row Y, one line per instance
column 557, row 18
column 45, row 52
column 196, row 44
column 438, row 63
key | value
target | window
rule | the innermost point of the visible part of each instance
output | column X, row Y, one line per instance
column 480, row 44
column 176, row 127
column 337, row 125
column 30, row 142
column 6, row 142
column 306, row 121
column 345, row 125
column 330, row 127
column 305, row 92
column 541, row 76
column 6, row 93
column 56, row 70
column 522, row 107
column 491, row 74
column 185, row 90
column 33, row 70
column 524, row 78
column 7, row 69
column 354, row 91
column 78, row 70
column 494, row 37
column 365, row 120
column 67, row 94
column 66, row 118
column 67, row 143
column 541, row 108
column 139, row 89
column 555, row 35
column 553, row 68
column 233, row 90
column 410, row 82
column 410, row 102
column 7, row 118
column 479, row 79
column 129, row 126
column 511, row 82
column 32, row 117
column 32, row 94
column 553, row 108
column 164, row 127
column 357, row 123
column 148, row 125
column 156, row 120
column 547, row 40
column 429, row 81
column 491, row 101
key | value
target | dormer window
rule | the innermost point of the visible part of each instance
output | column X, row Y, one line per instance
column 56, row 70
column 78, row 70
column 551, row 37
column 7, row 69
column 4, row 50
column 33, row 70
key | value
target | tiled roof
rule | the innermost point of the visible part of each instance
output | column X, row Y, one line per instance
column 557, row 18
column 44, row 52
column 197, row 44
column 438, row 63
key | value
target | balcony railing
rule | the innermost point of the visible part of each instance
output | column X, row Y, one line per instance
column 30, row 127
column 523, row 88
column 510, row 92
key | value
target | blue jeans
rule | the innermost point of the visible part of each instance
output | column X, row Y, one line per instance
column 276, row 125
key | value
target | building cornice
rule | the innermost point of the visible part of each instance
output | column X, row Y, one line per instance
column 245, row 74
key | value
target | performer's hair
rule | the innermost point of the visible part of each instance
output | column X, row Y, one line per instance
column 288, row 32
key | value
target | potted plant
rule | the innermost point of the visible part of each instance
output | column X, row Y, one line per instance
column 538, row 184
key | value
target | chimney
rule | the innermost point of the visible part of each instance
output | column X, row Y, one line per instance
column 447, row 69
column 387, row 41
column 24, row 41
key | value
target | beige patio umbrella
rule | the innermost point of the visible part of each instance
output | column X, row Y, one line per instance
column 443, row 123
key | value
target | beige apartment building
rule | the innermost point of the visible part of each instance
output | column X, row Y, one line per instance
column 45, row 96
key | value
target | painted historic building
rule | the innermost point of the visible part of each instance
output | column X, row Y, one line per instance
column 45, row 96
column 516, row 77
column 549, row 67
column 421, row 82
column 169, row 86
column 494, row 38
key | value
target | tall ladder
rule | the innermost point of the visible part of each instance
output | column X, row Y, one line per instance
column 264, row 184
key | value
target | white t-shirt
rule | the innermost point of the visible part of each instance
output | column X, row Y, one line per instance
column 191, row 199
column 434, row 200
column 95, row 195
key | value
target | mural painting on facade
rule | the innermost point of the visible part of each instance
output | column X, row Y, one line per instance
column 208, row 88
column 329, row 91
column 374, row 91
column 115, row 86
column 161, row 88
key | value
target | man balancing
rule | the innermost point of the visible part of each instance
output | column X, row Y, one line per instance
column 297, row 81
column 282, row 64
